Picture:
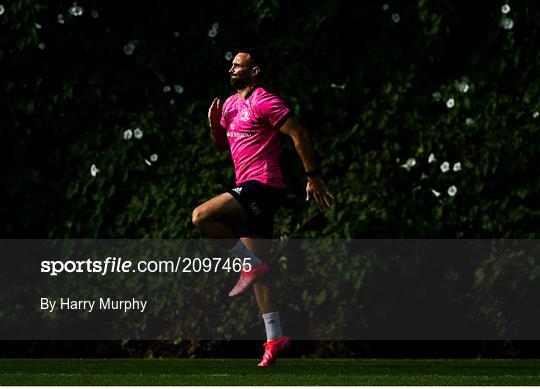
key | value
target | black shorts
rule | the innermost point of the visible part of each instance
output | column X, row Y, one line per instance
column 260, row 201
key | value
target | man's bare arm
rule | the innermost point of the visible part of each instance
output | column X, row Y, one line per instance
column 217, row 133
column 302, row 143
column 316, row 188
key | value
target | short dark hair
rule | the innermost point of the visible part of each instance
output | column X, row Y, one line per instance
column 254, row 55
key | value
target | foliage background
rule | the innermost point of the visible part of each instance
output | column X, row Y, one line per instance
column 360, row 82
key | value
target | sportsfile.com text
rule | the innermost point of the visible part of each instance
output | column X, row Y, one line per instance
column 118, row 265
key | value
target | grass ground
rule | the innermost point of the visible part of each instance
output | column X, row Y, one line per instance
column 286, row 372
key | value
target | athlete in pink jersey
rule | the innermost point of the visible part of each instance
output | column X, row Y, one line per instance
column 248, row 124
column 252, row 125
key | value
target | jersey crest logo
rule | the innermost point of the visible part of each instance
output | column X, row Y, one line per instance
column 244, row 115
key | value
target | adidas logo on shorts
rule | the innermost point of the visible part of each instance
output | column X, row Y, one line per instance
column 238, row 190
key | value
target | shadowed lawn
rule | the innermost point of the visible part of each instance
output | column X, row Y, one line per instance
column 286, row 372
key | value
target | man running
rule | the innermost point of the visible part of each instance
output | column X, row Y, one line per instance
column 247, row 123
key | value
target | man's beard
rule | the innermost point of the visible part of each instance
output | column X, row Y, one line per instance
column 239, row 82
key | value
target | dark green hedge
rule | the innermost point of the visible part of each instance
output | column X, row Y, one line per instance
column 361, row 83
column 373, row 91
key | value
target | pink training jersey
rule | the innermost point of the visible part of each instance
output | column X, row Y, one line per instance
column 252, row 130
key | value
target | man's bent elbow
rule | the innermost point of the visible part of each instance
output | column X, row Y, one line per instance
column 300, row 136
column 222, row 146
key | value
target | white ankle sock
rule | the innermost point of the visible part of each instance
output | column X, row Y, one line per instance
column 272, row 325
column 242, row 252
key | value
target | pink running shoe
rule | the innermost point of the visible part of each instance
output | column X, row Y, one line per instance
column 248, row 278
column 273, row 348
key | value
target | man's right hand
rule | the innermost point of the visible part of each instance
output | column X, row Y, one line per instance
column 214, row 114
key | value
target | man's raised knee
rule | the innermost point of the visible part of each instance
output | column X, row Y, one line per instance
column 197, row 218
